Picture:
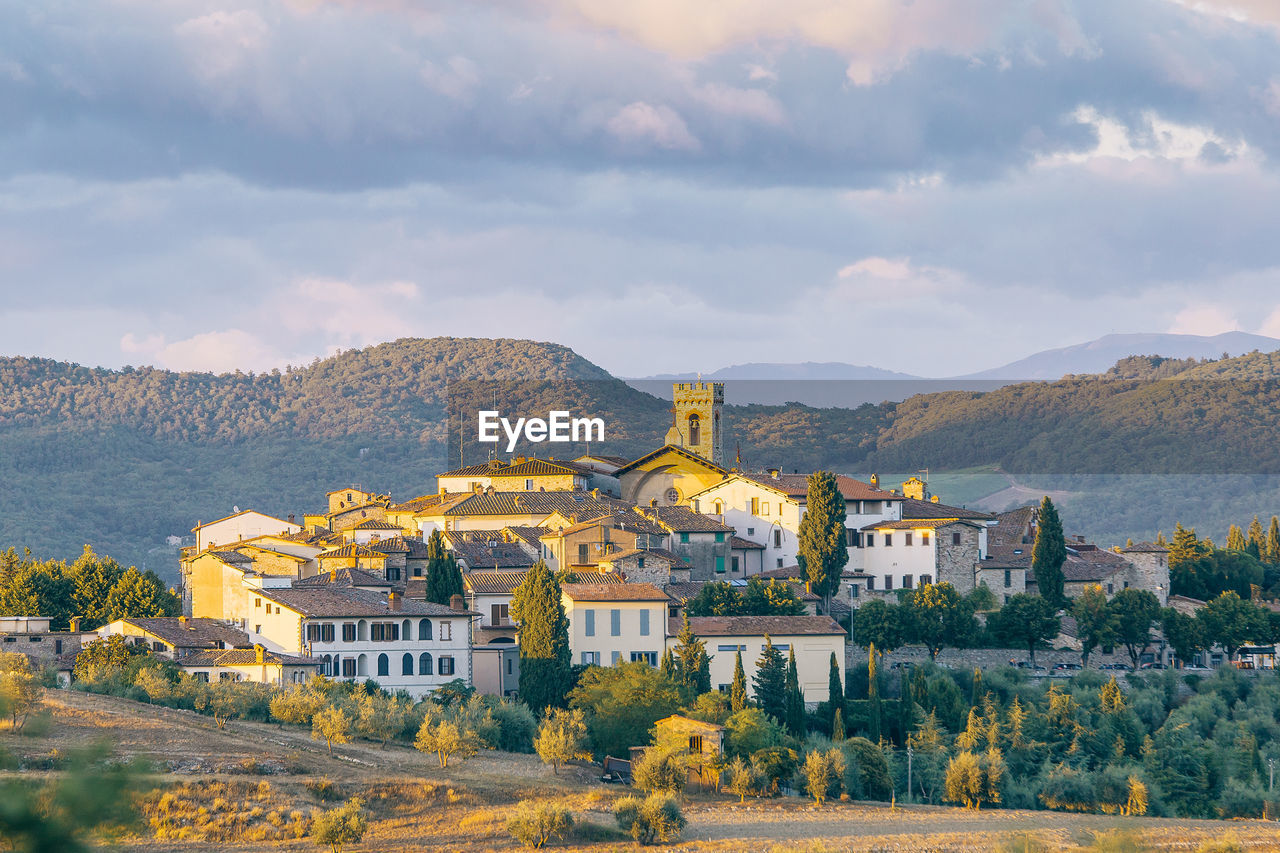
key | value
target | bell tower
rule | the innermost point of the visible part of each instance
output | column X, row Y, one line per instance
column 698, row 418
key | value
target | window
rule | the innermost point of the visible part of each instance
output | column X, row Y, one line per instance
column 406, row 664
column 849, row 537
column 313, row 632
column 639, row 562
column 888, row 582
column 751, row 531
column 924, row 537
column 733, row 564
column 871, row 583
column 257, row 629
column 446, row 630
column 684, row 538
column 1008, row 577
column 717, row 508
column 719, row 565
column 720, row 537
column 1110, row 588
column 673, row 496
column 384, row 665
column 528, row 485
column 906, row 539
column 348, row 667
column 498, row 614
column 406, row 630
column 348, row 632
column 764, row 508
column 871, row 507
column 257, row 602
column 779, row 562
column 888, row 540
column 590, row 658
column 955, row 538
column 583, row 553
column 777, row 538
column 731, row 648
column 853, row 590
column 362, row 666
column 424, row 629
column 327, row 632
column 907, row 580
column 615, row 623
column 695, row 429
column 202, row 676
column 510, row 666
column 57, row 647
column 650, row 658
column 695, row 744
column 755, row 506
column 589, row 623
column 424, row 664
column 614, row 657
column 926, row 580
column 644, row 623
column 393, row 574
column 871, row 540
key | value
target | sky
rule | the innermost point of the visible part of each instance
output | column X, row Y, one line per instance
column 929, row 186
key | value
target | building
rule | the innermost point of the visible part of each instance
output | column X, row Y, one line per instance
column 702, row 541
column 34, row 637
column 667, row 476
column 697, row 419
column 814, row 639
column 494, row 510
column 496, row 669
column 520, row 475
column 246, row 524
column 585, row 544
column 609, row 623
column 488, row 593
column 477, row 550
column 657, row 566
column 912, row 552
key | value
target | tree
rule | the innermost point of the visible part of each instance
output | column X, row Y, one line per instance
column 837, row 726
column 1027, row 620
column 655, row 818
column 1185, row 546
column 738, row 690
column 446, row 738
column 20, row 690
column 1095, row 622
column 663, row 767
column 381, row 717
column 936, row 617
column 444, row 579
column 1135, row 610
column 771, row 681
column 742, row 778
column 332, row 725
column 139, row 594
column 534, row 824
column 1184, row 633
column 691, row 664
column 223, row 700
column 835, row 687
column 1257, row 543
column 822, row 536
column 545, row 671
column 1049, row 552
column 795, row 715
column 101, row 658
column 297, row 705
column 562, row 737
column 341, row 826
column 1272, row 554
column 622, row 703
column 1235, row 538
column 822, row 771
column 1231, row 622
column 94, row 577
column 973, row 779
column 878, row 623
column 873, row 697
column 772, row 597
column 717, row 598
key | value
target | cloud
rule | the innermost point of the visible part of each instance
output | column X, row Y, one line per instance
column 1203, row 319
column 223, row 351
column 643, row 123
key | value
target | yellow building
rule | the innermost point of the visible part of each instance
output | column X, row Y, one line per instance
column 698, row 421
column 667, row 476
column 518, row 475
column 609, row 623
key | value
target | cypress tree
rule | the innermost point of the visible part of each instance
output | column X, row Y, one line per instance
column 906, row 708
column 837, row 726
column 1273, row 541
column 691, row 668
column 771, row 681
column 1235, row 538
column 1257, row 539
column 444, row 578
column 873, row 697
column 668, row 665
column 545, row 673
column 823, row 552
column 1049, row 552
column 835, row 688
column 1185, row 546
column 738, row 692
column 795, row 699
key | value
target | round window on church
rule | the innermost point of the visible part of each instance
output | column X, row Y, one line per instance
column 673, row 496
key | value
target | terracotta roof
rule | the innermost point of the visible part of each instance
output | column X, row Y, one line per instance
column 604, row 457
column 797, row 486
column 1145, row 548
column 628, row 519
column 670, row 448
column 192, row 633
column 476, row 552
column 682, row 519
column 577, row 505
column 228, row 556
column 330, row 601
column 739, row 544
column 791, row 572
column 676, row 561
column 351, row 549
column 1012, row 527
column 1091, row 565
column 526, row 533
column 417, row 503
column 242, row 657
column 346, row 576
column 921, row 524
column 912, row 508
column 684, row 591
column 613, row 592
column 240, row 513
column 756, row 626
column 376, row 524
column 410, row 545
column 502, row 583
column 522, row 468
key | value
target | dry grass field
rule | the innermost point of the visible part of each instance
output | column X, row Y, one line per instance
column 253, row 787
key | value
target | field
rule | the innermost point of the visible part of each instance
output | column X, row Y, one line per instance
column 257, row 783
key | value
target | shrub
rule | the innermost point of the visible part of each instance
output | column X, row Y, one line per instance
column 332, row 725
column 562, row 737
column 865, row 761
column 823, row 771
column 661, row 769
column 516, row 726
column 533, row 825
column 340, row 826
column 775, row 765
column 655, row 818
column 742, row 778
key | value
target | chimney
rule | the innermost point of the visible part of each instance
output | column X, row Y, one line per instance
column 75, row 624
column 875, row 481
column 773, row 472
column 653, row 502
column 291, row 517
column 457, row 602
column 393, row 600
column 259, row 653
column 595, row 493
column 182, row 620
column 933, row 499
column 333, row 576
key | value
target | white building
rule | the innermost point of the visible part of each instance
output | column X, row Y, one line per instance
column 609, row 623
column 243, row 525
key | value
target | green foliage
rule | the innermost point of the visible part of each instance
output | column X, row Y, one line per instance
column 1026, row 620
column 444, row 578
column 534, row 823
column 823, row 773
column 1213, row 572
column 878, row 623
column 1049, row 552
column 795, row 718
column 622, row 703
column 1095, row 621
column 760, row 597
column 935, row 616
column 663, row 767
column 331, row 725
column 102, row 658
column 749, row 731
column 94, row 588
column 1184, row 633
column 562, row 737
column 770, row 681
column 20, row 689
column 545, row 671
column 1135, row 610
column 655, row 818
column 339, row 827
column 690, row 664
column 822, row 535
column 1232, row 622
column 867, row 770
column 741, row 778
column 738, row 690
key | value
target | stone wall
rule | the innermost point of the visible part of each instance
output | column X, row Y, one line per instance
column 856, row 657
column 956, row 563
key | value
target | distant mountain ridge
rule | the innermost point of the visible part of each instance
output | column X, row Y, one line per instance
column 799, row 371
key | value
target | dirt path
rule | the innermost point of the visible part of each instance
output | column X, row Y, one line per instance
column 1016, row 495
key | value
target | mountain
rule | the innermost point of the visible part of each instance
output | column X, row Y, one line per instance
column 1097, row 356
column 805, row 370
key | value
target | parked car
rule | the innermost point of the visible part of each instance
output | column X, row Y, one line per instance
column 1114, row 666
column 1153, row 665
column 902, row 664
column 1026, row 664
column 1067, row 666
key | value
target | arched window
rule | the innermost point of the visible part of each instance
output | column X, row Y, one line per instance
column 424, row 630
column 717, row 508
column 406, row 630
column 424, row 663
column 362, row 666
column 327, row 668
column 384, row 665
column 695, row 429
column 362, row 631
column 406, row 664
